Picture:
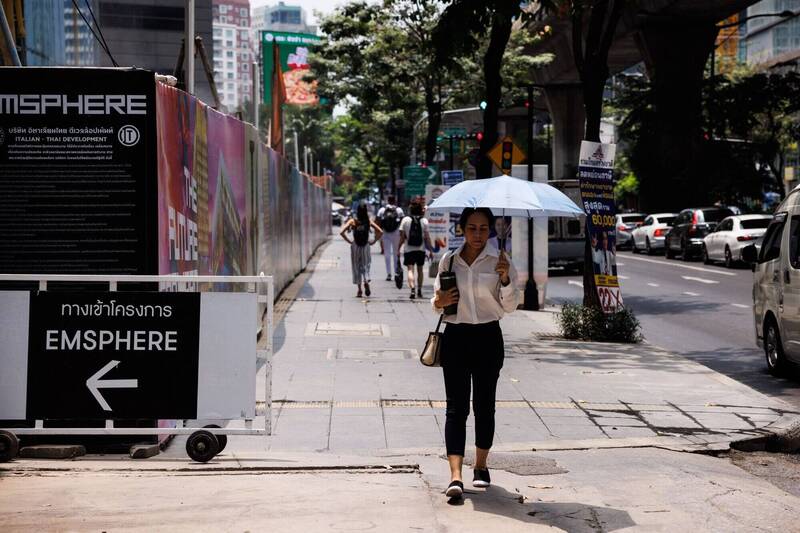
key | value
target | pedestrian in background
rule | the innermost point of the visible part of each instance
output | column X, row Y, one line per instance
column 472, row 349
column 415, row 238
column 360, row 257
column 389, row 218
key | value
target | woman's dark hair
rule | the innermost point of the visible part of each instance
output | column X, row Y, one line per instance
column 469, row 211
column 362, row 215
column 415, row 208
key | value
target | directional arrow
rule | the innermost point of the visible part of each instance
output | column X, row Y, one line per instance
column 94, row 384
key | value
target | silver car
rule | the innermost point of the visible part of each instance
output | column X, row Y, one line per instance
column 650, row 235
column 776, row 286
column 625, row 224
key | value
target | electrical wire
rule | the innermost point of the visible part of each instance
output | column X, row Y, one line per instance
column 100, row 31
column 97, row 38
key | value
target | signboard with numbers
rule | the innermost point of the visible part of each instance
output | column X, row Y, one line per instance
column 596, row 173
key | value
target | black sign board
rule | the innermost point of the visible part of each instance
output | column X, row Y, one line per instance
column 78, row 184
column 117, row 355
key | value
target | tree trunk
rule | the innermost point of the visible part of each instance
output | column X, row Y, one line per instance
column 434, row 109
column 492, row 61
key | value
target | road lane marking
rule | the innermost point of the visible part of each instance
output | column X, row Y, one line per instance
column 701, row 280
column 690, row 267
column 620, row 264
column 573, row 282
column 741, row 306
column 622, row 277
column 687, row 293
column 653, row 284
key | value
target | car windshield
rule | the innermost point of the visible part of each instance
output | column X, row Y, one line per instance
column 755, row 223
column 632, row 219
column 666, row 220
column 715, row 215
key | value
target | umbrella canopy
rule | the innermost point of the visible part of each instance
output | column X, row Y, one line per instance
column 508, row 196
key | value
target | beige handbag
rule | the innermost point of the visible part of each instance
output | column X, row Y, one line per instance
column 431, row 354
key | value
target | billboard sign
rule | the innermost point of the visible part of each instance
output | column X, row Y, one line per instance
column 596, row 173
column 294, row 50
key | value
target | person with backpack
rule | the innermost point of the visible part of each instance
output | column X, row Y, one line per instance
column 389, row 217
column 360, row 257
column 416, row 238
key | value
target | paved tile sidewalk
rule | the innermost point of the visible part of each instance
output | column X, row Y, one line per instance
column 346, row 377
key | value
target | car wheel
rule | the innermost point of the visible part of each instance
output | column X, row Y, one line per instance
column 728, row 258
column 634, row 248
column 773, row 349
column 647, row 247
column 706, row 259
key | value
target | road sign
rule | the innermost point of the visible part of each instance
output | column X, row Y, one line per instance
column 127, row 355
column 417, row 177
column 454, row 131
column 505, row 153
column 452, row 177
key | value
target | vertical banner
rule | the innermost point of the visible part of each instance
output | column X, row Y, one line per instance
column 438, row 221
column 596, row 173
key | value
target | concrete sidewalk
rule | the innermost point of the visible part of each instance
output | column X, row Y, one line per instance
column 590, row 437
column 346, row 377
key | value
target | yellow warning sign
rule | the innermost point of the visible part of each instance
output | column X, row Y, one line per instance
column 505, row 153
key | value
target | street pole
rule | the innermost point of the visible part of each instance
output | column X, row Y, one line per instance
column 296, row 151
column 256, row 97
column 451, row 152
column 531, row 301
column 188, row 40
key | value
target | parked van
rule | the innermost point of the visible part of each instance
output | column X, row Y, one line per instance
column 776, row 286
column 566, row 235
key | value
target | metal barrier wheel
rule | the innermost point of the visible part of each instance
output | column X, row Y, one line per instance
column 202, row 446
column 221, row 439
column 9, row 446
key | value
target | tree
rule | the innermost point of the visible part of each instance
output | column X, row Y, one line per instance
column 459, row 32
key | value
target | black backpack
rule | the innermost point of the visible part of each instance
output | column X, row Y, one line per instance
column 389, row 220
column 415, row 232
column 361, row 234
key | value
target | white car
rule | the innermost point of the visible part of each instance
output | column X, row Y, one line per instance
column 732, row 234
column 650, row 235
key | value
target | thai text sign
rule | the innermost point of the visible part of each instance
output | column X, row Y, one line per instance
column 596, row 173
column 294, row 50
column 127, row 355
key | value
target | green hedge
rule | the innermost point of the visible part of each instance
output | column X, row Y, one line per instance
column 591, row 324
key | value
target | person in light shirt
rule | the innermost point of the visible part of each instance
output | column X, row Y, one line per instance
column 472, row 343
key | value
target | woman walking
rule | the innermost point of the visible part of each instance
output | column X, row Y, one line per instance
column 415, row 236
column 360, row 258
column 472, row 344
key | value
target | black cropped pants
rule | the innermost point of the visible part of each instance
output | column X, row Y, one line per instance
column 472, row 356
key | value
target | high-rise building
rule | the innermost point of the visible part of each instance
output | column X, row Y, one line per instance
column 233, row 52
column 772, row 39
column 281, row 17
column 44, row 39
column 149, row 33
column 81, row 48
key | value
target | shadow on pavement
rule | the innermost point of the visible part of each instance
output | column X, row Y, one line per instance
column 568, row 516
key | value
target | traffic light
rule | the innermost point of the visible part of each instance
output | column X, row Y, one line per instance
column 508, row 147
column 479, row 136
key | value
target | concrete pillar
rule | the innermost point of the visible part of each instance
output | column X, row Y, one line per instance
column 569, row 123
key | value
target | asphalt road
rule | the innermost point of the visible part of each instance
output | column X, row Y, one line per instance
column 703, row 312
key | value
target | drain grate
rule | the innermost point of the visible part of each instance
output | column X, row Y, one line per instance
column 369, row 355
column 347, row 329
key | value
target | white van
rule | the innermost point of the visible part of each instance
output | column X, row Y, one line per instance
column 776, row 286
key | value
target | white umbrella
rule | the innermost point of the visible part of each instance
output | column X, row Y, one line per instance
column 508, row 196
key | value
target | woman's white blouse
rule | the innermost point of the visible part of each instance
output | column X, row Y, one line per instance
column 481, row 296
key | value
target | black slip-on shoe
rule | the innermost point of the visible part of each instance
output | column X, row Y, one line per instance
column 454, row 490
column 481, row 478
